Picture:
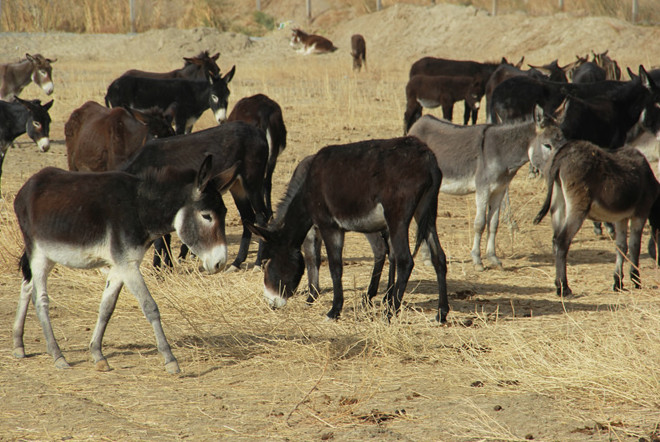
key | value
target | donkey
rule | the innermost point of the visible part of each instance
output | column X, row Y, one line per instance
column 100, row 139
column 15, row 76
column 311, row 43
column 431, row 91
column 389, row 182
column 191, row 97
column 200, row 67
column 21, row 117
column 264, row 113
column 90, row 220
column 482, row 158
column 235, row 142
column 443, row 66
column 311, row 249
column 358, row 52
column 586, row 181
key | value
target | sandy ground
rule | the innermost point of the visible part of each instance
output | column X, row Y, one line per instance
column 252, row 373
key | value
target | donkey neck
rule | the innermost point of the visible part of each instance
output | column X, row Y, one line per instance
column 511, row 142
column 159, row 201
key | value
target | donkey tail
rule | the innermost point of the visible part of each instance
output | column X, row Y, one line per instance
column 24, row 265
column 552, row 177
column 429, row 209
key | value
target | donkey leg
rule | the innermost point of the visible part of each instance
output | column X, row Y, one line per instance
column 312, row 252
column 482, row 197
column 41, row 266
column 439, row 260
column 379, row 248
column 334, row 244
column 404, row 265
column 163, row 251
column 467, row 112
column 113, row 286
column 135, row 284
column 493, row 222
column 562, row 242
column 621, row 240
column 27, row 288
column 247, row 215
column 634, row 247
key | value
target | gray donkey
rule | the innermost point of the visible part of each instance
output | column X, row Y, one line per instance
column 483, row 159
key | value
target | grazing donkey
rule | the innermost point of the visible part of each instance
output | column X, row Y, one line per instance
column 358, row 52
column 482, row 158
column 21, row 117
column 89, row 220
column 431, row 91
column 585, row 181
column 387, row 184
column 311, row 43
column 15, row 76
column 311, row 248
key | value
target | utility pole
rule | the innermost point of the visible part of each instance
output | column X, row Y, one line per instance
column 132, row 2
column 635, row 10
column 494, row 7
column 309, row 9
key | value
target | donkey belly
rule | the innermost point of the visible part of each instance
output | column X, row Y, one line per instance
column 458, row 185
column 76, row 256
column 428, row 103
column 372, row 221
column 599, row 213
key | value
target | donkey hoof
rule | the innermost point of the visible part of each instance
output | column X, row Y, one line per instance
column 428, row 263
column 172, row 367
column 479, row 267
column 61, row 363
column 231, row 269
column 256, row 269
column 19, row 352
column 102, row 365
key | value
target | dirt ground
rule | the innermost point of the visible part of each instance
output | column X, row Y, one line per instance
column 514, row 363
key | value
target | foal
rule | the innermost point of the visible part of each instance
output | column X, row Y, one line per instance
column 366, row 187
column 585, row 181
column 89, row 220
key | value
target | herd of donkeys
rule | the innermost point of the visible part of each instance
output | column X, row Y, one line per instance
column 572, row 123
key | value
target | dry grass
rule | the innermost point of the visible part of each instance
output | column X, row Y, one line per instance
column 583, row 369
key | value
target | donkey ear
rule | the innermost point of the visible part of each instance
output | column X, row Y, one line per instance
column 170, row 112
column 646, row 79
column 539, row 117
column 203, row 176
column 260, row 232
column 215, row 57
column 631, row 74
column 47, row 105
column 230, row 74
column 226, row 178
column 29, row 57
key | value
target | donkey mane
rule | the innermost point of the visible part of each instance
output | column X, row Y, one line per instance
column 293, row 190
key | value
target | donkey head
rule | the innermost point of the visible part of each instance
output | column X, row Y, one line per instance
column 283, row 266
column 37, row 125
column 650, row 117
column 549, row 137
column 474, row 94
column 200, row 223
column 42, row 72
column 158, row 122
column 219, row 96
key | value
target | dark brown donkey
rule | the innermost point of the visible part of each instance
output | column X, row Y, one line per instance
column 15, row 76
column 264, row 113
column 100, row 139
column 89, row 220
column 199, row 67
column 431, row 91
column 586, row 181
column 232, row 143
column 367, row 187
column 358, row 52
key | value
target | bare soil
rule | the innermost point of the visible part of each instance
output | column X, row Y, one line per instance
column 515, row 361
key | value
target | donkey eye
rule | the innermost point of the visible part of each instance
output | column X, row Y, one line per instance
column 207, row 217
column 36, row 124
column 42, row 72
column 547, row 146
column 214, row 98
